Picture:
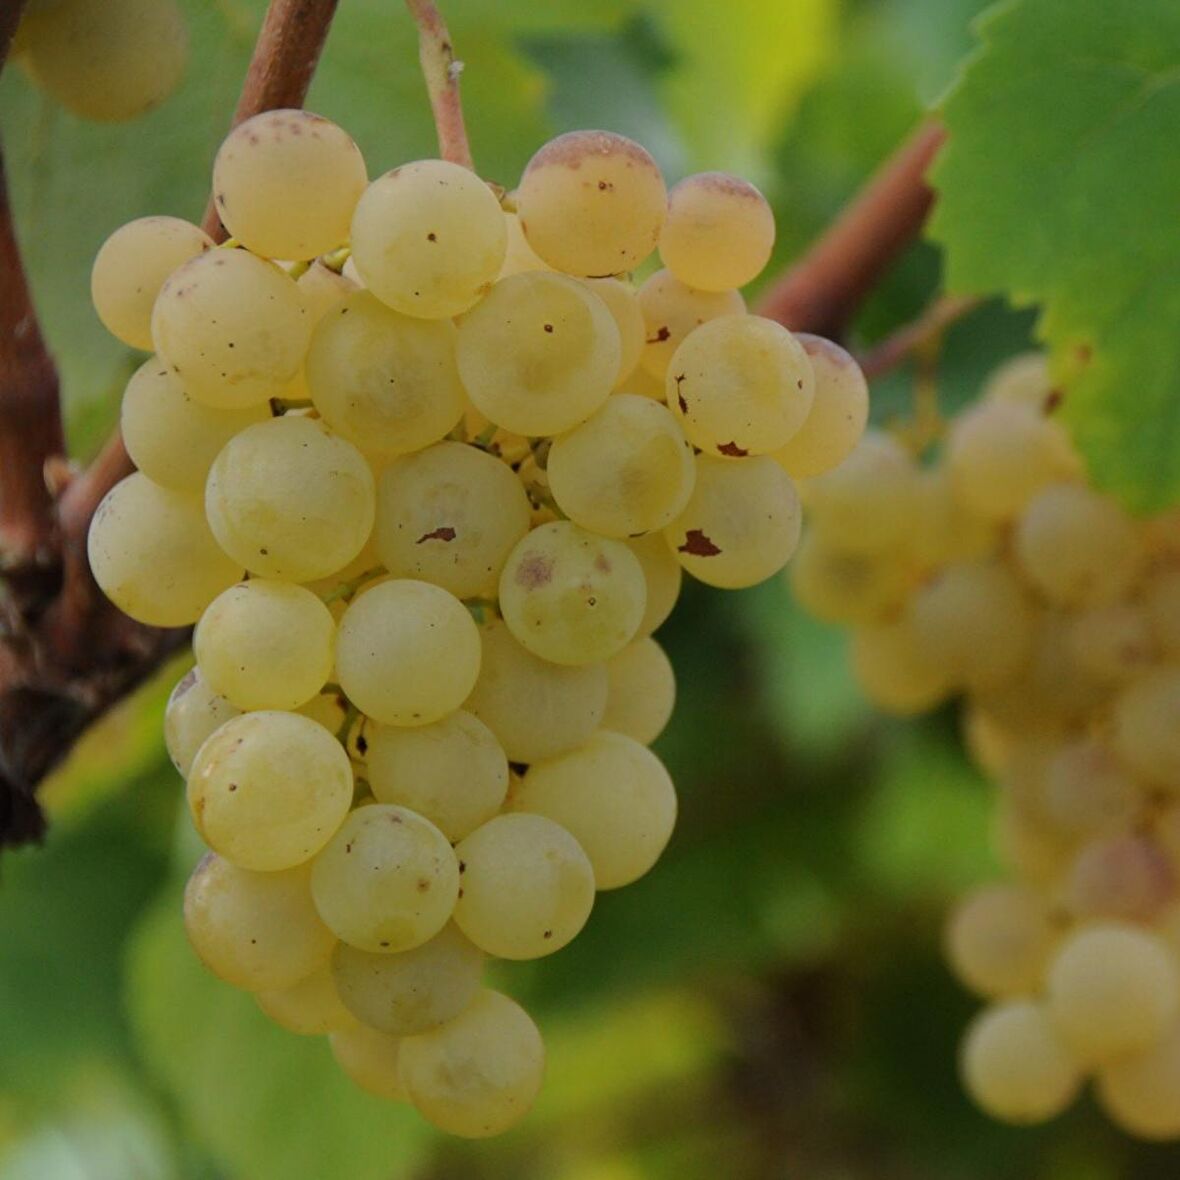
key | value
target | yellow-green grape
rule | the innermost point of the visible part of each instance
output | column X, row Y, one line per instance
column 170, row 437
column 1147, row 727
column 613, row 796
column 480, row 1073
column 412, row 991
column 288, row 499
column 1112, row 988
column 258, row 931
column 1026, row 849
column 592, row 203
column 641, row 691
column 999, row 938
column 130, row 268
column 623, row 304
column 741, row 385
column 741, row 524
column 975, row 621
column 643, row 384
column 1140, row 1092
column 663, row 575
column 450, row 515
column 1161, row 601
column 988, row 744
column 1088, row 791
column 866, row 504
column 153, row 555
column 385, row 381
column 429, row 238
column 838, row 414
column 453, row 772
column 370, row 1060
column 232, row 327
column 520, row 256
column 193, row 712
column 941, row 528
column 310, row 1008
column 894, row 671
column 407, row 652
column 627, row 470
column 842, row 587
column 1124, row 876
column 539, row 354
column 1024, row 379
column 671, row 311
column 526, row 887
column 1000, row 454
column 1076, row 547
column 268, row 789
column 321, row 288
column 106, row 60
column 570, row 596
column 265, row 645
column 387, row 881
column 719, row 232
column 535, row 708
column 1015, row 1064
column 285, row 183
column 1113, row 643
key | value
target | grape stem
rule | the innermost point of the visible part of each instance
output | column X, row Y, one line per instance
column 441, row 71
column 914, row 337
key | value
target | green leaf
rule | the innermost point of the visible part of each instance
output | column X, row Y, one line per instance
column 269, row 1104
column 1059, row 185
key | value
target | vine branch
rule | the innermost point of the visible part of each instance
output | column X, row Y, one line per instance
column 441, row 71
column 938, row 315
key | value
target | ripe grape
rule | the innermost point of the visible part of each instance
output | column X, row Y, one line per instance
column 895, row 671
column 194, row 711
column 623, row 304
column 1147, row 727
column 641, row 691
column 1140, row 1092
column 671, row 311
column 370, row 1059
column 662, row 574
column 309, row 1008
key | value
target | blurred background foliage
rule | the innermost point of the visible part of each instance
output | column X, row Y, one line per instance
column 769, row 1002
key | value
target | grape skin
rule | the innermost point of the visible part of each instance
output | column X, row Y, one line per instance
column 671, row 311
column 310, row 1008
column 193, row 712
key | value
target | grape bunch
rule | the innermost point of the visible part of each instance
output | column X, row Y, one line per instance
column 103, row 60
column 997, row 571
column 425, row 468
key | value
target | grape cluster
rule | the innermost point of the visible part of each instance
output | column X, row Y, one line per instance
column 103, row 60
column 998, row 572
column 429, row 483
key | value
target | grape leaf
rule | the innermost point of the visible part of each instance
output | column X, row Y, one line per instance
column 1059, row 185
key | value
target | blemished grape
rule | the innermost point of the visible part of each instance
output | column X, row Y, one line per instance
column 623, row 304
column 257, row 931
column 671, row 311
column 741, row 385
column 286, row 182
column 106, row 60
column 718, row 233
column 321, row 289
column 1016, row 1066
column 613, row 796
column 454, row 772
column 836, row 419
column 265, row 645
column 232, row 327
column 385, row 381
column 741, row 524
column 1147, row 727
column 570, row 596
column 310, row 1008
column 625, row 471
column 412, row 991
column 480, row 1073
column 407, row 652
column 387, row 881
column 130, row 268
column 268, row 789
column 450, row 515
column 1124, row 876
column 194, row 711
column 592, row 203
column 535, row 708
column 153, row 555
column 894, row 671
column 526, row 886
column 1140, row 1092
column 539, row 354
column 1112, row 989
column 429, row 238
column 641, row 692
column 842, row 587
column 170, row 437
column 288, row 499
column 370, row 1059
column 999, row 940
column 663, row 575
